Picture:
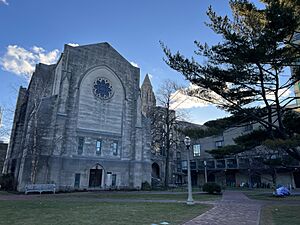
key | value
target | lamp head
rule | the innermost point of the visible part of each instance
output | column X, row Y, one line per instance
column 187, row 141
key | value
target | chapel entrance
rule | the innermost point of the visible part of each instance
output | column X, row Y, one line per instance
column 95, row 178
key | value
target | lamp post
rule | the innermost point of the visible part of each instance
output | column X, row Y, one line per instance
column 205, row 171
column 187, row 142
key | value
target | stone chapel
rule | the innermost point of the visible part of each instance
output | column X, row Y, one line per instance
column 79, row 124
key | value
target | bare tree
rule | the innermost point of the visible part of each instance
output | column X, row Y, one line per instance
column 37, row 127
column 163, row 124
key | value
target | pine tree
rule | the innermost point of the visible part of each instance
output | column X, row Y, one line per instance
column 246, row 74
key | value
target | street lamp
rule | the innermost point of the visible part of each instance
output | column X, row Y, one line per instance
column 187, row 142
column 205, row 171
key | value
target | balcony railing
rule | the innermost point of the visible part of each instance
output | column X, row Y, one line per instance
column 223, row 164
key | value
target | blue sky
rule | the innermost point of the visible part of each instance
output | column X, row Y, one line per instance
column 133, row 27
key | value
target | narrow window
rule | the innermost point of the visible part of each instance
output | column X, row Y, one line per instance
column 98, row 147
column 197, row 149
column 193, row 165
column 219, row 144
column 13, row 166
column 80, row 145
column 114, row 148
column 184, row 164
column 77, row 180
column 114, row 180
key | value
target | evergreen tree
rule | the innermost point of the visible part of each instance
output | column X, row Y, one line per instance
column 246, row 74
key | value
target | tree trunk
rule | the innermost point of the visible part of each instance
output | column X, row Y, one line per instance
column 274, row 177
column 167, row 148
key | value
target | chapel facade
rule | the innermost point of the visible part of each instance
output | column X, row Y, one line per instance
column 79, row 124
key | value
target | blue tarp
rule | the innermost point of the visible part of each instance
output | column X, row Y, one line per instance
column 282, row 191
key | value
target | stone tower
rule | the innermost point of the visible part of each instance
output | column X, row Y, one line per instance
column 148, row 97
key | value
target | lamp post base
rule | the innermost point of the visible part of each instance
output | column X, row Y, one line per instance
column 190, row 202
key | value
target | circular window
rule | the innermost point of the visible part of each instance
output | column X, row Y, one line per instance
column 102, row 88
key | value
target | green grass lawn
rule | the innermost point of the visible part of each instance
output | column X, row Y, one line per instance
column 280, row 215
column 269, row 196
column 4, row 193
column 137, row 195
column 42, row 211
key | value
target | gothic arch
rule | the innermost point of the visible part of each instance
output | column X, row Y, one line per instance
column 96, row 114
column 96, row 176
column 90, row 70
column 155, row 171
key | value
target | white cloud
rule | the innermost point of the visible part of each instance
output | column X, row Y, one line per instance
column 73, row 44
column 283, row 93
column 134, row 64
column 5, row 138
column 180, row 100
column 4, row 2
column 22, row 62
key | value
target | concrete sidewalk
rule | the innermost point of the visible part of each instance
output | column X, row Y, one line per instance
column 234, row 209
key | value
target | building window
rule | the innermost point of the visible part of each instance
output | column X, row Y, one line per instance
column 179, row 167
column 178, row 154
column 114, row 148
column 98, row 147
column 77, row 180
column 184, row 165
column 197, row 149
column 221, row 163
column 193, row 165
column 13, row 166
column 80, row 145
column 219, row 144
column 114, row 180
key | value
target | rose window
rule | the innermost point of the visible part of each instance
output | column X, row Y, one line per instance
column 102, row 88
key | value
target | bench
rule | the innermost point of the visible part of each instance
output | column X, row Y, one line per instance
column 40, row 188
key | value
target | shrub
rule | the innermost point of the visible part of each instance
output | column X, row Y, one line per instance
column 7, row 182
column 146, row 186
column 211, row 188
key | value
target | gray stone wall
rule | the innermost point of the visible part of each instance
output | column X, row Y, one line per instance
column 3, row 150
column 14, row 148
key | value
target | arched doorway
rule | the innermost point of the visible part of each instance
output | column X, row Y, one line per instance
column 155, row 171
column 96, row 175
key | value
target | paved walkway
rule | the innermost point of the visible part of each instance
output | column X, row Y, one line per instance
column 234, row 209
